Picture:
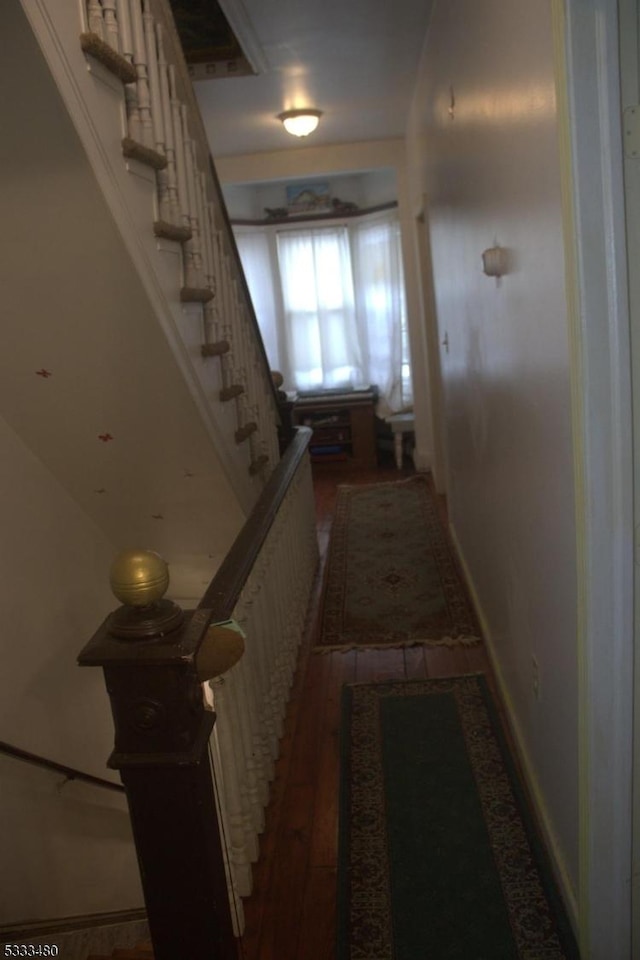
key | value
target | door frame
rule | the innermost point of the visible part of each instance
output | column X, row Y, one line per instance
column 588, row 85
column 439, row 460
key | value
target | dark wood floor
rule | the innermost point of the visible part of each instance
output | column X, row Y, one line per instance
column 292, row 912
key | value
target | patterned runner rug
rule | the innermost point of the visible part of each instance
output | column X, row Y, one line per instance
column 438, row 855
column 391, row 577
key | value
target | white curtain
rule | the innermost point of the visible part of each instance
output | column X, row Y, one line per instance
column 255, row 249
column 319, row 312
column 331, row 307
column 380, row 310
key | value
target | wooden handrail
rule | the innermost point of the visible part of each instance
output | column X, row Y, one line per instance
column 224, row 590
column 69, row 772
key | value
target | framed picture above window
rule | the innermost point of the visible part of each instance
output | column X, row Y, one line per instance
column 306, row 199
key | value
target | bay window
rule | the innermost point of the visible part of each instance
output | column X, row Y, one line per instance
column 330, row 304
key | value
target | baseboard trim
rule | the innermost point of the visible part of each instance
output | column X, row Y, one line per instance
column 540, row 809
column 28, row 930
column 421, row 460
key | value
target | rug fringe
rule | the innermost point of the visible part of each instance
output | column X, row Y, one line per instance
column 470, row 641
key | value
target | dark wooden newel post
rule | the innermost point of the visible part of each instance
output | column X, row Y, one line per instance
column 148, row 650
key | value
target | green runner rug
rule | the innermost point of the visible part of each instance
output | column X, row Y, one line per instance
column 438, row 856
column 392, row 579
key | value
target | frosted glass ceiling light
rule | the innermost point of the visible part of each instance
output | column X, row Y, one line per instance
column 300, row 123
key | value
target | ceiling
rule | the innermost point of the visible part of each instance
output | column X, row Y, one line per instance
column 355, row 60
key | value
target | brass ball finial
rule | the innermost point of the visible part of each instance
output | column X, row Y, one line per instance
column 139, row 577
column 277, row 379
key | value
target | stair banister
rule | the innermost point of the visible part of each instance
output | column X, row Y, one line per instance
column 151, row 655
column 137, row 41
column 184, row 89
column 156, row 661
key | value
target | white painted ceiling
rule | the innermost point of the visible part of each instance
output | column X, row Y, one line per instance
column 355, row 60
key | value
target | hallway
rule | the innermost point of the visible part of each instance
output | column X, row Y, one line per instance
column 291, row 914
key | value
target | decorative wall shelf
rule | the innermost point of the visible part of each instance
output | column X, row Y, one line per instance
column 333, row 215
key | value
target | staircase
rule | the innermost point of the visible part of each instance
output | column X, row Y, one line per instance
column 138, row 44
column 136, row 388
column 185, row 341
column 132, row 368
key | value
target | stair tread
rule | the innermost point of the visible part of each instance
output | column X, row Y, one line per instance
column 196, row 295
column 256, row 465
column 243, row 433
column 216, row 349
column 229, row 393
column 141, row 153
column 171, row 231
column 96, row 47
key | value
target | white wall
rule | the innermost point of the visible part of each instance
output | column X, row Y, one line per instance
column 74, row 304
column 483, row 147
column 71, row 845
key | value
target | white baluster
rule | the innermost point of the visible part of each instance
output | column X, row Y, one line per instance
column 270, row 695
column 111, row 33
column 235, row 900
column 261, row 732
column 192, row 245
column 288, row 570
column 276, row 638
column 174, row 213
column 95, row 18
column 134, row 128
column 142, row 84
column 157, row 115
column 181, row 167
column 256, row 770
column 124, row 29
column 259, row 657
column 205, row 228
column 251, row 799
column 235, row 829
column 198, row 249
column 230, row 361
column 238, row 332
column 151, row 54
column 220, row 284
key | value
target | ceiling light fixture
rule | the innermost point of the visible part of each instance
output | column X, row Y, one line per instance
column 300, row 123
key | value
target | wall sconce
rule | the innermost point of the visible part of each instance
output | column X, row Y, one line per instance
column 494, row 262
column 300, row 123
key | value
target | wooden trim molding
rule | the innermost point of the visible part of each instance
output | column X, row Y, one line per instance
column 333, row 215
column 591, row 165
column 26, row 930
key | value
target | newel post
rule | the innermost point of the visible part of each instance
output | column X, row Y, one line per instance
column 152, row 655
